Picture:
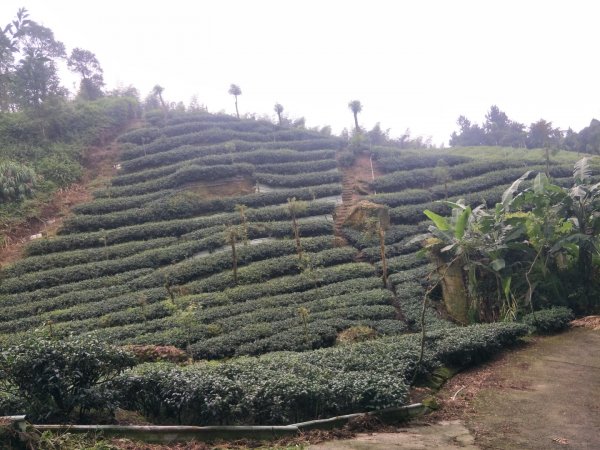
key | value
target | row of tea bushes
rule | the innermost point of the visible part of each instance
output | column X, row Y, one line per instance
column 185, row 175
column 290, row 168
column 108, row 205
column 302, row 167
column 283, row 388
column 253, row 330
column 394, row 160
column 422, row 178
column 203, row 154
column 207, row 239
column 76, row 257
column 323, row 281
column 147, row 298
column 189, row 205
column 217, row 136
column 94, row 284
column 467, row 186
column 146, row 135
column 300, row 180
column 263, row 271
column 160, row 257
column 168, row 228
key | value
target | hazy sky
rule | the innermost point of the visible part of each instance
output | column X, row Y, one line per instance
column 412, row 64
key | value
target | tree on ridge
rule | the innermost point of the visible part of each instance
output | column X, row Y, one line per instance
column 235, row 90
column 278, row 109
column 356, row 107
column 87, row 65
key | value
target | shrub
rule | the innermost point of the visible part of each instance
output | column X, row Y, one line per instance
column 548, row 321
column 60, row 169
column 17, row 181
column 56, row 378
column 346, row 159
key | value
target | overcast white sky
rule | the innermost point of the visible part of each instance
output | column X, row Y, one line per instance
column 412, row 64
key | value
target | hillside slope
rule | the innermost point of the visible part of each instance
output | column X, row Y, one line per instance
column 149, row 260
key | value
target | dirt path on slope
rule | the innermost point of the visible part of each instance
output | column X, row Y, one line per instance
column 99, row 166
column 355, row 185
column 544, row 395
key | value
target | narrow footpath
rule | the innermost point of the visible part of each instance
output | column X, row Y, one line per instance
column 355, row 186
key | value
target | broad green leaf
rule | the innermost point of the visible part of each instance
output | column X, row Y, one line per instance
column 461, row 223
column 438, row 220
column 539, row 183
column 506, row 286
column 455, row 205
column 582, row 170
column 498, row 264
column 507, row 196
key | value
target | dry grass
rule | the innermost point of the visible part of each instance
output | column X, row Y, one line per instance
column 590, row 322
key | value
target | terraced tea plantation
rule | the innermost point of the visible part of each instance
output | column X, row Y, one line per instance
column 413, row 182
column 150, row 260
column 218, row 237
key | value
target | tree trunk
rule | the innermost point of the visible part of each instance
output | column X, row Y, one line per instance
column 297, row 236
column 384, row 268
column 234, row 259
column 356, row 122
column 279, row 117
column 454, row 290
column 237, row 113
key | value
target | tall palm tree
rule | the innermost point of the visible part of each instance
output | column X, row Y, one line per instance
column 157, row 91
column 278, row 109
column 235, row 90
column 356, row 107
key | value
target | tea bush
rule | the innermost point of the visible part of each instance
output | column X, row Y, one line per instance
column 169, row 228
column 548, row 321
column 57, row 378
column 282, row 388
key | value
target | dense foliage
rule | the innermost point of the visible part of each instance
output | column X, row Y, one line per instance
column 498, row 129
column 51, row 379
column 283, row 388
column 549, row 320
column 44, row 134
column 537, row 247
